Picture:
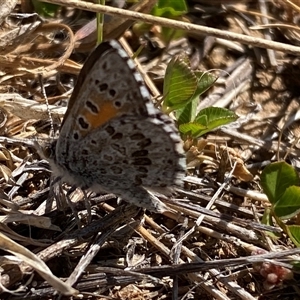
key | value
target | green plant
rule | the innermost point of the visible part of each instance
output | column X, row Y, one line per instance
column 171, row 9
column 281, row 184
column 45, row 9
column 182, row 89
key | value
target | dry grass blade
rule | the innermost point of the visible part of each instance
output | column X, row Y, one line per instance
column 13, row 38
column 16, row 104
column 36, row 263
column 6, row 8
column 196, row 267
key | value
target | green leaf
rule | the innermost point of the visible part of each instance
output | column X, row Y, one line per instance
column 212, row 117
column 207, row 120
column 216, row 116
column 192, row 129
column 169, row 8
column 187, row 114
column 170, row 34
column 294, row 233
column 180, row 84
column 267, row 217
column 45, row 9
column 203, row 120
column 276, row 178
column 296, row 265
column 288, row 204
column 267, row 220
column 205, row 81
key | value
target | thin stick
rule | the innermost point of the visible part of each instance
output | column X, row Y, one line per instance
column 249, row 40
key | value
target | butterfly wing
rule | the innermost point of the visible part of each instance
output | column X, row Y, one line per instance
column 108, row 86
column 130, row 151
column 112, row 134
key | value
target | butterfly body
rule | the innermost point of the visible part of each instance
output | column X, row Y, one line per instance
column 112, row 138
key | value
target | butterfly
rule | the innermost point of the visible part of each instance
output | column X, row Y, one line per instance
column 112, row 138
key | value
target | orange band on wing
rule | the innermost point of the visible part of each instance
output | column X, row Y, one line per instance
column 107, row 111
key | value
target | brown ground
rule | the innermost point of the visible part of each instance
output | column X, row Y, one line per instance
column 135, row 255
